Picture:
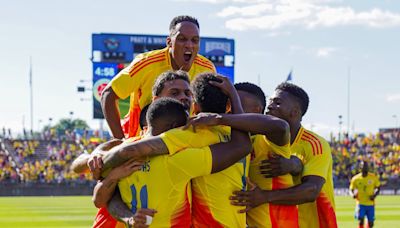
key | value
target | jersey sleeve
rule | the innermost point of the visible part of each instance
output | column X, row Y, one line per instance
column 178, row 139
column 124, row 83
column 284, row 151
column 318, row 164
column 352, row 182
column 191, row 162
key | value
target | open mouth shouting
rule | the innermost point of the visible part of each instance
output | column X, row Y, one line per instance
column 187, row 56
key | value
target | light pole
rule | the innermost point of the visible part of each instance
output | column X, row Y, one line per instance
column 396, row 121
column 340, row 125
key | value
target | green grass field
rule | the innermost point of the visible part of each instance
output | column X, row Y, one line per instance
column 78, row 211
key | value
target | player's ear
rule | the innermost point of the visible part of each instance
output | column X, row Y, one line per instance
column 258, row 109
column 155, row 98
column 228, row 107
column 169, row 41
column 196, row 108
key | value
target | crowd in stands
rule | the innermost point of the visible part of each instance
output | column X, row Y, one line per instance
column 23, row 163
column 381, row 150
column 44, row 158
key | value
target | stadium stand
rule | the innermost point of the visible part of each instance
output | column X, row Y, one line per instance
column 381, row 150
column 46, row 159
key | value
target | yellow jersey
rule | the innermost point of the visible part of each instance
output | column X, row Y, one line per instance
column 210, row 193
column 138, row 78
column 163, row 184
column 315, row 154
column 365, row 187
column 270, row 215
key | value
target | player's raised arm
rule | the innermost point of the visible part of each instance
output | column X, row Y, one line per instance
column 239, row 145
column 109, row 105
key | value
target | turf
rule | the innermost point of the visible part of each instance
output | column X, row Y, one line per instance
column 78, row 211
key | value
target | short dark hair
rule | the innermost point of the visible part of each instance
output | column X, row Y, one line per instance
column 142, row 117
column 166, row 109
column 166, row 77
column 178, row 19
column 209, row 97
column 254, row 90
column 297, row 92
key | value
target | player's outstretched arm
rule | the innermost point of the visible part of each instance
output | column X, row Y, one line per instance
column 80, row 164
column 109, row 106
column 307, row 191
column 137, row 150
column 275, row 129
column 104, row 189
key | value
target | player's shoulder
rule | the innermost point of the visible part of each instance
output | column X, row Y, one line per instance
column 357, row 176
column 372, row 175
column 203, row 62
column 146, row 59
column 314, row 142
column 159, row 53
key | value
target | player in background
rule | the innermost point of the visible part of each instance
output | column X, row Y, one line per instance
column 138, row 78
column 364, row 187
column 313, row 190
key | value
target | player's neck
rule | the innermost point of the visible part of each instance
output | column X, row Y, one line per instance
column 294, row 130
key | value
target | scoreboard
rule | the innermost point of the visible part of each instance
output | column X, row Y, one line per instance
column 113, row 52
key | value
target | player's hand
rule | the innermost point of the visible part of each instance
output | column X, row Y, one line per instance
column 372, row 197
column 275, row 166
column 202, row 120
column 125, row 169
column 95, row 164
column 142, row 218
column 225, row 85
column 249, row 199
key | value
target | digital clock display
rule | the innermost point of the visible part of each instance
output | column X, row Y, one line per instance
column 105, row 69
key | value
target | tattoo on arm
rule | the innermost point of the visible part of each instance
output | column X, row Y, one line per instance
column 139, row 150
column 117, row 208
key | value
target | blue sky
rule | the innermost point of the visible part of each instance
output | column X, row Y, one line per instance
column 319, row 39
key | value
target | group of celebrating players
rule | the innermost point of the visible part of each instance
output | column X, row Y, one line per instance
column 197, row 151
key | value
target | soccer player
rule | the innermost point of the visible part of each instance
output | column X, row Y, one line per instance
column 173, row 84
column 364, row 187
column 210, row 205
column 162, row 182
column 266, row 146
column 313, row 190
column 138, row 78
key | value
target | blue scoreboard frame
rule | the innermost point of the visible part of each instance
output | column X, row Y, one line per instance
column 112, row 52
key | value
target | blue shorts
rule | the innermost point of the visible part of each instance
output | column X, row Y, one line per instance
column 363, row 210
